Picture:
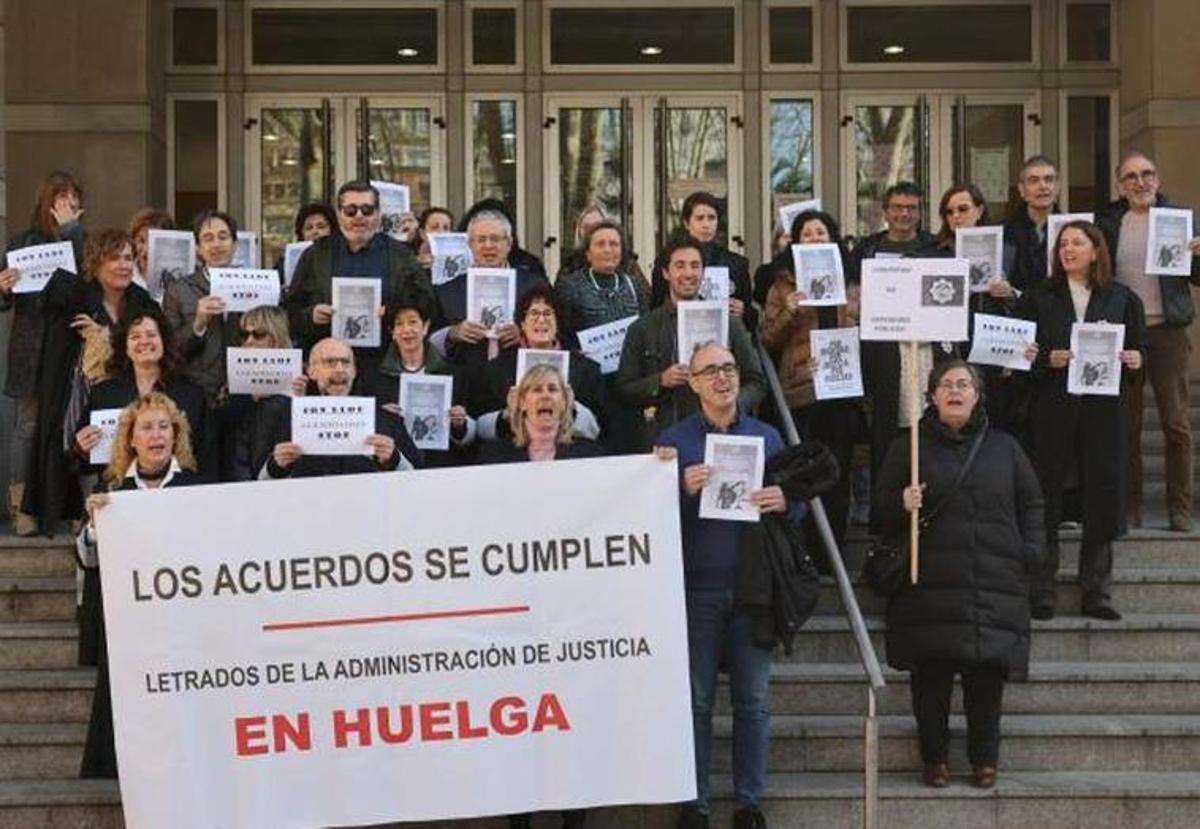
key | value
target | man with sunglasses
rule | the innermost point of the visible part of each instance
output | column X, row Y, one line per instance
column 360, row 249
column 1169, row 311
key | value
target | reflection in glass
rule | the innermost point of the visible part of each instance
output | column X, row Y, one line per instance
column 697, row 158
column 591, row 166
column 885, row 148
column 1089, row 149
column 401, row 151
column 494, row 152
column 643, row 35
column 344, row 36
column 292, row 144
column 940, row 33
column 196, row 159
column 995, row 148
column 791, row 172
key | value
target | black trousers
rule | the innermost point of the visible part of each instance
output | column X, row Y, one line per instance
column 983, row 688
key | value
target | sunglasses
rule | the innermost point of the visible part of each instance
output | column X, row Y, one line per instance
column 352, row 210
column 255, row 334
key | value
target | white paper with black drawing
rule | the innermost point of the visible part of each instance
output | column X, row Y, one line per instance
column 1001, row 341
column 1095, row 367
column 698, row 322
column 333, row 425
column 170, row 257
column 819, row 274
column 244, row 288
column 1054, row 223
column 737, row 463
column 37, row 263
column 491, row 296
column 983, row 247
column 394, row 202
column 838, row 363
column 789, row 212
column 715, row 283
column 1167, row 249
column 262, row 371
column 425, row 401
column 291, row 258
column 451, row 256
column 356, row 303
column 603, row 343
column 914, row 299
column 245, row 255
column 106, row 420
column 527, row 358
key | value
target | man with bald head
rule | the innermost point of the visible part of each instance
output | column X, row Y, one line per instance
column 1169, row 312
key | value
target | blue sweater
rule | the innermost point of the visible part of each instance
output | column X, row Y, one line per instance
column 710, row 547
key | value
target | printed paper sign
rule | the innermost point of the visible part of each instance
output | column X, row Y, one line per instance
column 491, row 296
column 106, row 420
column 699, row 322
column 527, row 358
column 839, row 364
column 819, row 274
column 789, row 212
column 170, row 257
column 37, row 263
column 244, row 288
column 1095, row 367
column 333, row 425
column 603, row 343
column 914, row 299
column 343, row 655
column 715, row 284
column 425, row 402
column 262, row 371
column 394, row 202
column 291, row 258
column 738, row 462
column 356, row 303
column 1167, row 251
column 451, row 256
column 245, row 255
column 1001, row 341
column 1054, row 223
column 983, row 247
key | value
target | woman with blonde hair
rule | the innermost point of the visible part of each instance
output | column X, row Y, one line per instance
column 539, row 414
column 152, row 450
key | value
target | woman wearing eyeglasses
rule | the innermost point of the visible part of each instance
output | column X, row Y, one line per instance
column 968, row 613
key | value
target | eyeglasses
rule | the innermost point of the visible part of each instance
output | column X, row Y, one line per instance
column 540, row 313
column 955, row 385
column 710, row 372
column 255, row 334
column 962, row 208
column 352, row 210
column 1133, row 176
column 904, row 208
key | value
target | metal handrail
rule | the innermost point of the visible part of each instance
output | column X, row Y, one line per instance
column 866, row 651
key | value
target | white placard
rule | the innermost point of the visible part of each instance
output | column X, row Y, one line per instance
column 914, row 299
column 245, row 255
column 491, row 296
column 333, row 425
column 1001, row 341
column 291, row 258
column 106, row 421
column 819, row 274
column 356, row 304
column 394, row 202
column 559, row 687
column 1054, row 223
column 1095, row 367
column 699, row 322
column 425, row 401
column 170, row 257
column 603, row 343
column 451, row 256
column 715, row 283
column 1167, row 251
column 527, row 358
column 737, row 463
column 983, row 247
column 838, row 363
column 263, row 371
column 244, row 288
column 789, row 212
column 37, row 264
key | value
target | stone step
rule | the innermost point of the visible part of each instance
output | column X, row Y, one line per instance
column 37, row 751
column 1030, row 742
column 1163, row 637
column 35, row 557
column 37, row 599
column 38, row 644
column 32, row 696
column 1052, row 688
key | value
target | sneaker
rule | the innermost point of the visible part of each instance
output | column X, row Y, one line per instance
column 1103, row 612
column 1043, row 612
column 691, row 818
column 749, row 817
column 936, row 776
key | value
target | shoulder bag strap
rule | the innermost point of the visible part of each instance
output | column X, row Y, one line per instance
column 962, row 473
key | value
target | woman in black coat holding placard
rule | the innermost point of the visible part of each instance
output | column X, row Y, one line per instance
column 1079, row 441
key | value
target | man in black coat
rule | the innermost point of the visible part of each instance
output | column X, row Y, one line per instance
column 903, row 235
column 1025, row 227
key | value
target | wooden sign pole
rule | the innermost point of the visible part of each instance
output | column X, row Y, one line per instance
column 914, row 380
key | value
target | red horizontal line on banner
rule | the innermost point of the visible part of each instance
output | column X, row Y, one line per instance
column 400, row 617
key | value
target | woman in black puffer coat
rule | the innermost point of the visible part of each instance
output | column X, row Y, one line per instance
column 969, row 611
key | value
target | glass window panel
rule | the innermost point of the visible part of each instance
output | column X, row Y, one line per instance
column 494, row 37
column 696, row 158
column 791, row 172
column 194, row 36
column 1088, row 32
column 791, row 34
column 591, row 165
column 995, row 149
column 292, row 144
column 494, row 152
column 885, row 152
column 344, row 37
column 940, row 34
column 676, row 34
column 402, row 151
column 197, row 169
column 1089, row 151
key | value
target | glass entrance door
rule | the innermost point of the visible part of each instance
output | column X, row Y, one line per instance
column 989, row 144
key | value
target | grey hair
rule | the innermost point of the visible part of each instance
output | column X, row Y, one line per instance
column 698, row 347
column 494, row 216
column 1130, row 155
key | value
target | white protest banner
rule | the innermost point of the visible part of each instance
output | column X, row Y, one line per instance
column 262, row 371
column 1054, row 223
column 333, row 425
column 789, row 212
column 1167, row 250
column 425, row 402
column 106, row 421
column 1001, row 341
column 527, row 358
column 37, row 263
column 819, row 274
column 839, row 363
column 394, row 202
column 921, row 300
column 356, row 303
column 451, row 256
column 491, row 296
column 291, row 258
column 170, row 256
column 699, row 322
column 244, row 288
column 738, row 462
column 245, row 255
column 603, row 343
column 983, row 247
column 1095, row 367
column 365, row 660
column 715, row 283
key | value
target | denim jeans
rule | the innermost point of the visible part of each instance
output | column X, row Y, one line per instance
column 715, row 629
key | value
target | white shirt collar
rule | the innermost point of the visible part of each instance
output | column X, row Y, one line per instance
column 172, row 471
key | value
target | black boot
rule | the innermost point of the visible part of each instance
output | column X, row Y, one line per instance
column 749, row 817
column 691, row 818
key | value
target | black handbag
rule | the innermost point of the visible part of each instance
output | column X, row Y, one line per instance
column 886, row 568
